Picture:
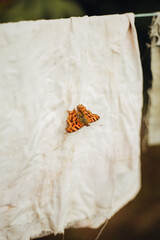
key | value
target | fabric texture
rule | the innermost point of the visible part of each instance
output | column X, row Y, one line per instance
column 154, row 92
column 51, row 180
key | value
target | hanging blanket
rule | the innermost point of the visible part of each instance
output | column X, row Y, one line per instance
column 154, row 92
column 51, row 179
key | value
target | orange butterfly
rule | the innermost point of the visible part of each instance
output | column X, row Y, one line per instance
column 78, row 119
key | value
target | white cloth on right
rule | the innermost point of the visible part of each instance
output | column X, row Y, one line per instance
column 154, row 92
column 51, row 180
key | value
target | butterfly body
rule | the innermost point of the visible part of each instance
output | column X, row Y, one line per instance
column 79, row 118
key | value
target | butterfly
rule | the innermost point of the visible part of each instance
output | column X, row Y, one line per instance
column 79, row 118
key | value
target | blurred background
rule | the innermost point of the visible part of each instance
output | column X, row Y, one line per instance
column 140, row 219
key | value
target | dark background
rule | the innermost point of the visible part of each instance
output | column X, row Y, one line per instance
column 140, row 219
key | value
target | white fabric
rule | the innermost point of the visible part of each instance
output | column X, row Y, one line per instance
column 154, row 108
column 49, row 179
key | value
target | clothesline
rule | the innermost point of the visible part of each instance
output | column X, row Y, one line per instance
column 146, row 14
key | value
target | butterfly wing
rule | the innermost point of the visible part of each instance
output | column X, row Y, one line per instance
column 73, row 121
column 87, row 115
